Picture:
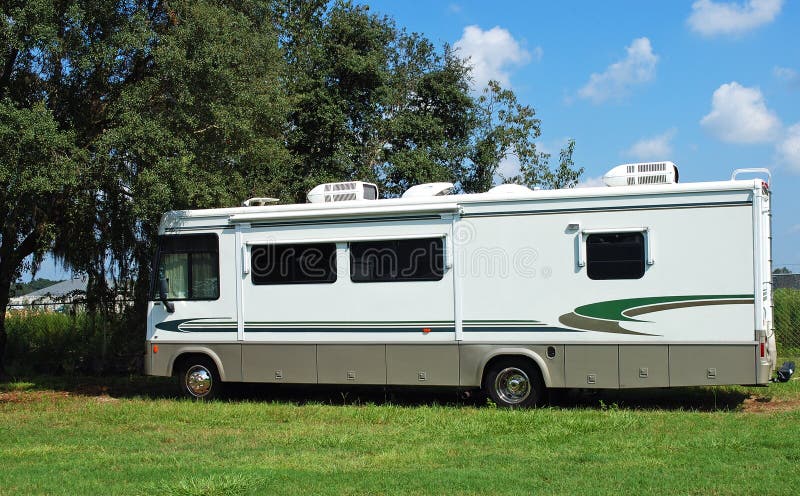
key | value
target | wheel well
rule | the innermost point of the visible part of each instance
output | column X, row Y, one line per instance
column 182, row 359
column 501, row 358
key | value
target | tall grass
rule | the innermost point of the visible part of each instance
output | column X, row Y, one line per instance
column 49, row 342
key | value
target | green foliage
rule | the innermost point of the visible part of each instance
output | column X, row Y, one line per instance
column 198, row 124
column 38, row 171
column 46, row 342
column 370, row 101
column 113, row 112
column 509, row 129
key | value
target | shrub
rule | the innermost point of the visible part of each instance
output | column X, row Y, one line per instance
column 53, row 343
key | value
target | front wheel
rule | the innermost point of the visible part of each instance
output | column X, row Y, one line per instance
column 199, row 379
column 514, row 383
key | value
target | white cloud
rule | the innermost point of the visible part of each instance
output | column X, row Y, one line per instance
column 740, row 115
column 787, row 75
column 789, row 147
column 710, row 18
column 508, row 167
column 591, row 182
column 638, row 66
column 454, row 8
column 491, row 54
column 655, row 148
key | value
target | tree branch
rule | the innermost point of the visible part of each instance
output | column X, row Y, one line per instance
column 5, row 76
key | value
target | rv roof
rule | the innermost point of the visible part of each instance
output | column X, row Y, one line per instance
column 443, row 203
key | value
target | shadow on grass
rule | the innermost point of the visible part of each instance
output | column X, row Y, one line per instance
column 133, row 386
column 722, row 398
column 696, row 399
column 707, row 399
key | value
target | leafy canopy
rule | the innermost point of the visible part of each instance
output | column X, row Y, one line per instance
column 113, row 112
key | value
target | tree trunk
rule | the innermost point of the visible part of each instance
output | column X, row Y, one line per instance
column 5, row 292
column 10, row 259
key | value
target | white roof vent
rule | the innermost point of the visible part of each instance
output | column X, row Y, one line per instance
column 642, row 173
column 510, row 189
column 346, row 191
column 259, row 202
column 429, row 189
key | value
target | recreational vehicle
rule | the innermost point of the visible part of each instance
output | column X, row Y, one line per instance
column 643, row 283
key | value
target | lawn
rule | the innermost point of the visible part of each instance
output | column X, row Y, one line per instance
column 129, row 436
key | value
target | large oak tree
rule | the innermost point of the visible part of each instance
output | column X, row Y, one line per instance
column 115, row 111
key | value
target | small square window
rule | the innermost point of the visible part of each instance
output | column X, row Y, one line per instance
column 615, row 255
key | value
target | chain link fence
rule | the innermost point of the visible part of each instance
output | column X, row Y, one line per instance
column 786, row 297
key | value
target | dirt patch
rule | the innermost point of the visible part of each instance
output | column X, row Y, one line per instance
column 91, row 390
column 37, row 396
column 31, row 396
column 767, row 405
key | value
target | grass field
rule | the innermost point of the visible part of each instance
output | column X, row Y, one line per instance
column 129, row 436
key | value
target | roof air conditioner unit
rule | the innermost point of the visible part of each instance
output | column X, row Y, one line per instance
column 346, row 191
column 642, row 173
column 429, row 189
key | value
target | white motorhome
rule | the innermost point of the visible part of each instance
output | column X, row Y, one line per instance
column 646, row 283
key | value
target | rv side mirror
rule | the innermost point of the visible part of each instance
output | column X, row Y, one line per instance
column 162, row 291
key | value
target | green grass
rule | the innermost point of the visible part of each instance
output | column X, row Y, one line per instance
column 128, row 436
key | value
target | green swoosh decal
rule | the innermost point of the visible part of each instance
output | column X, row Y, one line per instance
column 615, row 309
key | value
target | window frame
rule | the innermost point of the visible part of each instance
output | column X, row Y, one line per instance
column 155, row 280
column 442, row 239
column 249, row 253
column 647, row 239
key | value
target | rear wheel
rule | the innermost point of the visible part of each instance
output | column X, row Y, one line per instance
column 514, row 383
column 199, row 379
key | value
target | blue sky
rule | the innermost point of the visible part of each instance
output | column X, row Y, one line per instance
column 710, row 85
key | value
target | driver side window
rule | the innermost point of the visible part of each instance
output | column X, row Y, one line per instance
column 190, row 265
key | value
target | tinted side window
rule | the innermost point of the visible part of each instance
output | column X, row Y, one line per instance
column 190, row 264
column 615, row 256
column 293, row 264
column 397, row 260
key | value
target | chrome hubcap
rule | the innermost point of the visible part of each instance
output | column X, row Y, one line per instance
column 512, row 385
column 198, row 380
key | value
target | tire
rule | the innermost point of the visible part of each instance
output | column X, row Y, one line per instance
column 198, row 379
column 515, row 383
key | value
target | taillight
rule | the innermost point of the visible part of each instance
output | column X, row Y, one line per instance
column 762, row 346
